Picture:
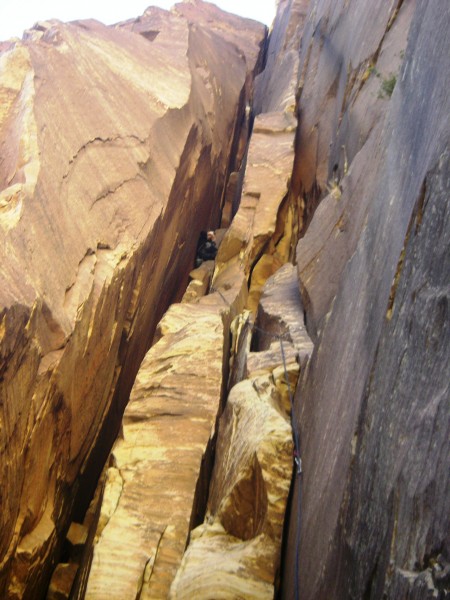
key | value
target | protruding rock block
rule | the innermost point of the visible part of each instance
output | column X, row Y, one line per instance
column 281, row 314
column 76, row 539
column 200, row 280
column 269, row 167
column 62, row 581
column 263, row 233
column 167, row 430
column 236, row 552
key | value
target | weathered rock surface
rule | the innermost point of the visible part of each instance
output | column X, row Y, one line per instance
column 276, row 86
column 110, row 163
column 350, row 149
column 280, row 313
column 235, row 553
column 166, row 430
column 157, row 486
column 402, row 451
column 200, row 282
column 265, row 229
column 242, row 33
column 373, row 405
column 62, row 581
column 259, row 239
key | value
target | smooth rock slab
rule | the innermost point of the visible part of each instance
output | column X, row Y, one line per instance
column 374, row 403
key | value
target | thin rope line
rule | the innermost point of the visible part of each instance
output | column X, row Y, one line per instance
column 296, row 440
column 212, row 291
column 298, row 463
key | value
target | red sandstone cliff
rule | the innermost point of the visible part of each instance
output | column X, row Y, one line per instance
column 104, row 189
column 115, row 149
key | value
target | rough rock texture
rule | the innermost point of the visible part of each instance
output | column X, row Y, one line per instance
column 276, row 86
column 373, row 405
column 166, row 430
column 260, row 237
column 157, row 486
column 62, row 581
column 200, row 281
column 112, row 158
column 350, row 149
column 264, row 230
column 235, row 553
column 280, row 313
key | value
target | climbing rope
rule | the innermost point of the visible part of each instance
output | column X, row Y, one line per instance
column 296, row 440
column 297, row 458
column 298, row 462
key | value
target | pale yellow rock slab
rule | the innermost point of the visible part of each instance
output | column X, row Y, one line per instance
column 236, row 553
column 218, row 566
column 200, row 280
column 166, row 431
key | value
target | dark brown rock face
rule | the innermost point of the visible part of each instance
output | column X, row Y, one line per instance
column 373, row 406
column 114, row 149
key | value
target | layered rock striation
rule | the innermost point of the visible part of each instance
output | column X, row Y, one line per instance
column 167, row 426
column 341, row 357
column 235, row 546
column 113, row 158
column 236, row 551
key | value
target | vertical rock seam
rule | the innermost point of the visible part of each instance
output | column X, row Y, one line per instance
column 331, row 279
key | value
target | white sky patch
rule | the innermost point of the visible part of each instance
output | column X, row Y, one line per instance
column 18, row 15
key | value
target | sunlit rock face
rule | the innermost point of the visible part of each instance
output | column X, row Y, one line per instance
column 116, row 146
column 236, row 551
column 166, row 430
column 112, row 159
column 265, row 229
column 157, row 485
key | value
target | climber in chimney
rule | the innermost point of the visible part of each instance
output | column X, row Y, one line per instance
column 206, row 247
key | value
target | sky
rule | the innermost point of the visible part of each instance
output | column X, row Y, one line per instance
column 17, row 15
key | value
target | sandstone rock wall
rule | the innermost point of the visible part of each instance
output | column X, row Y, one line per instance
column 102, row 187
column 157, row 461
column 112, row 160
column 264, row 231
column 373, row 404
column 235, row 551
